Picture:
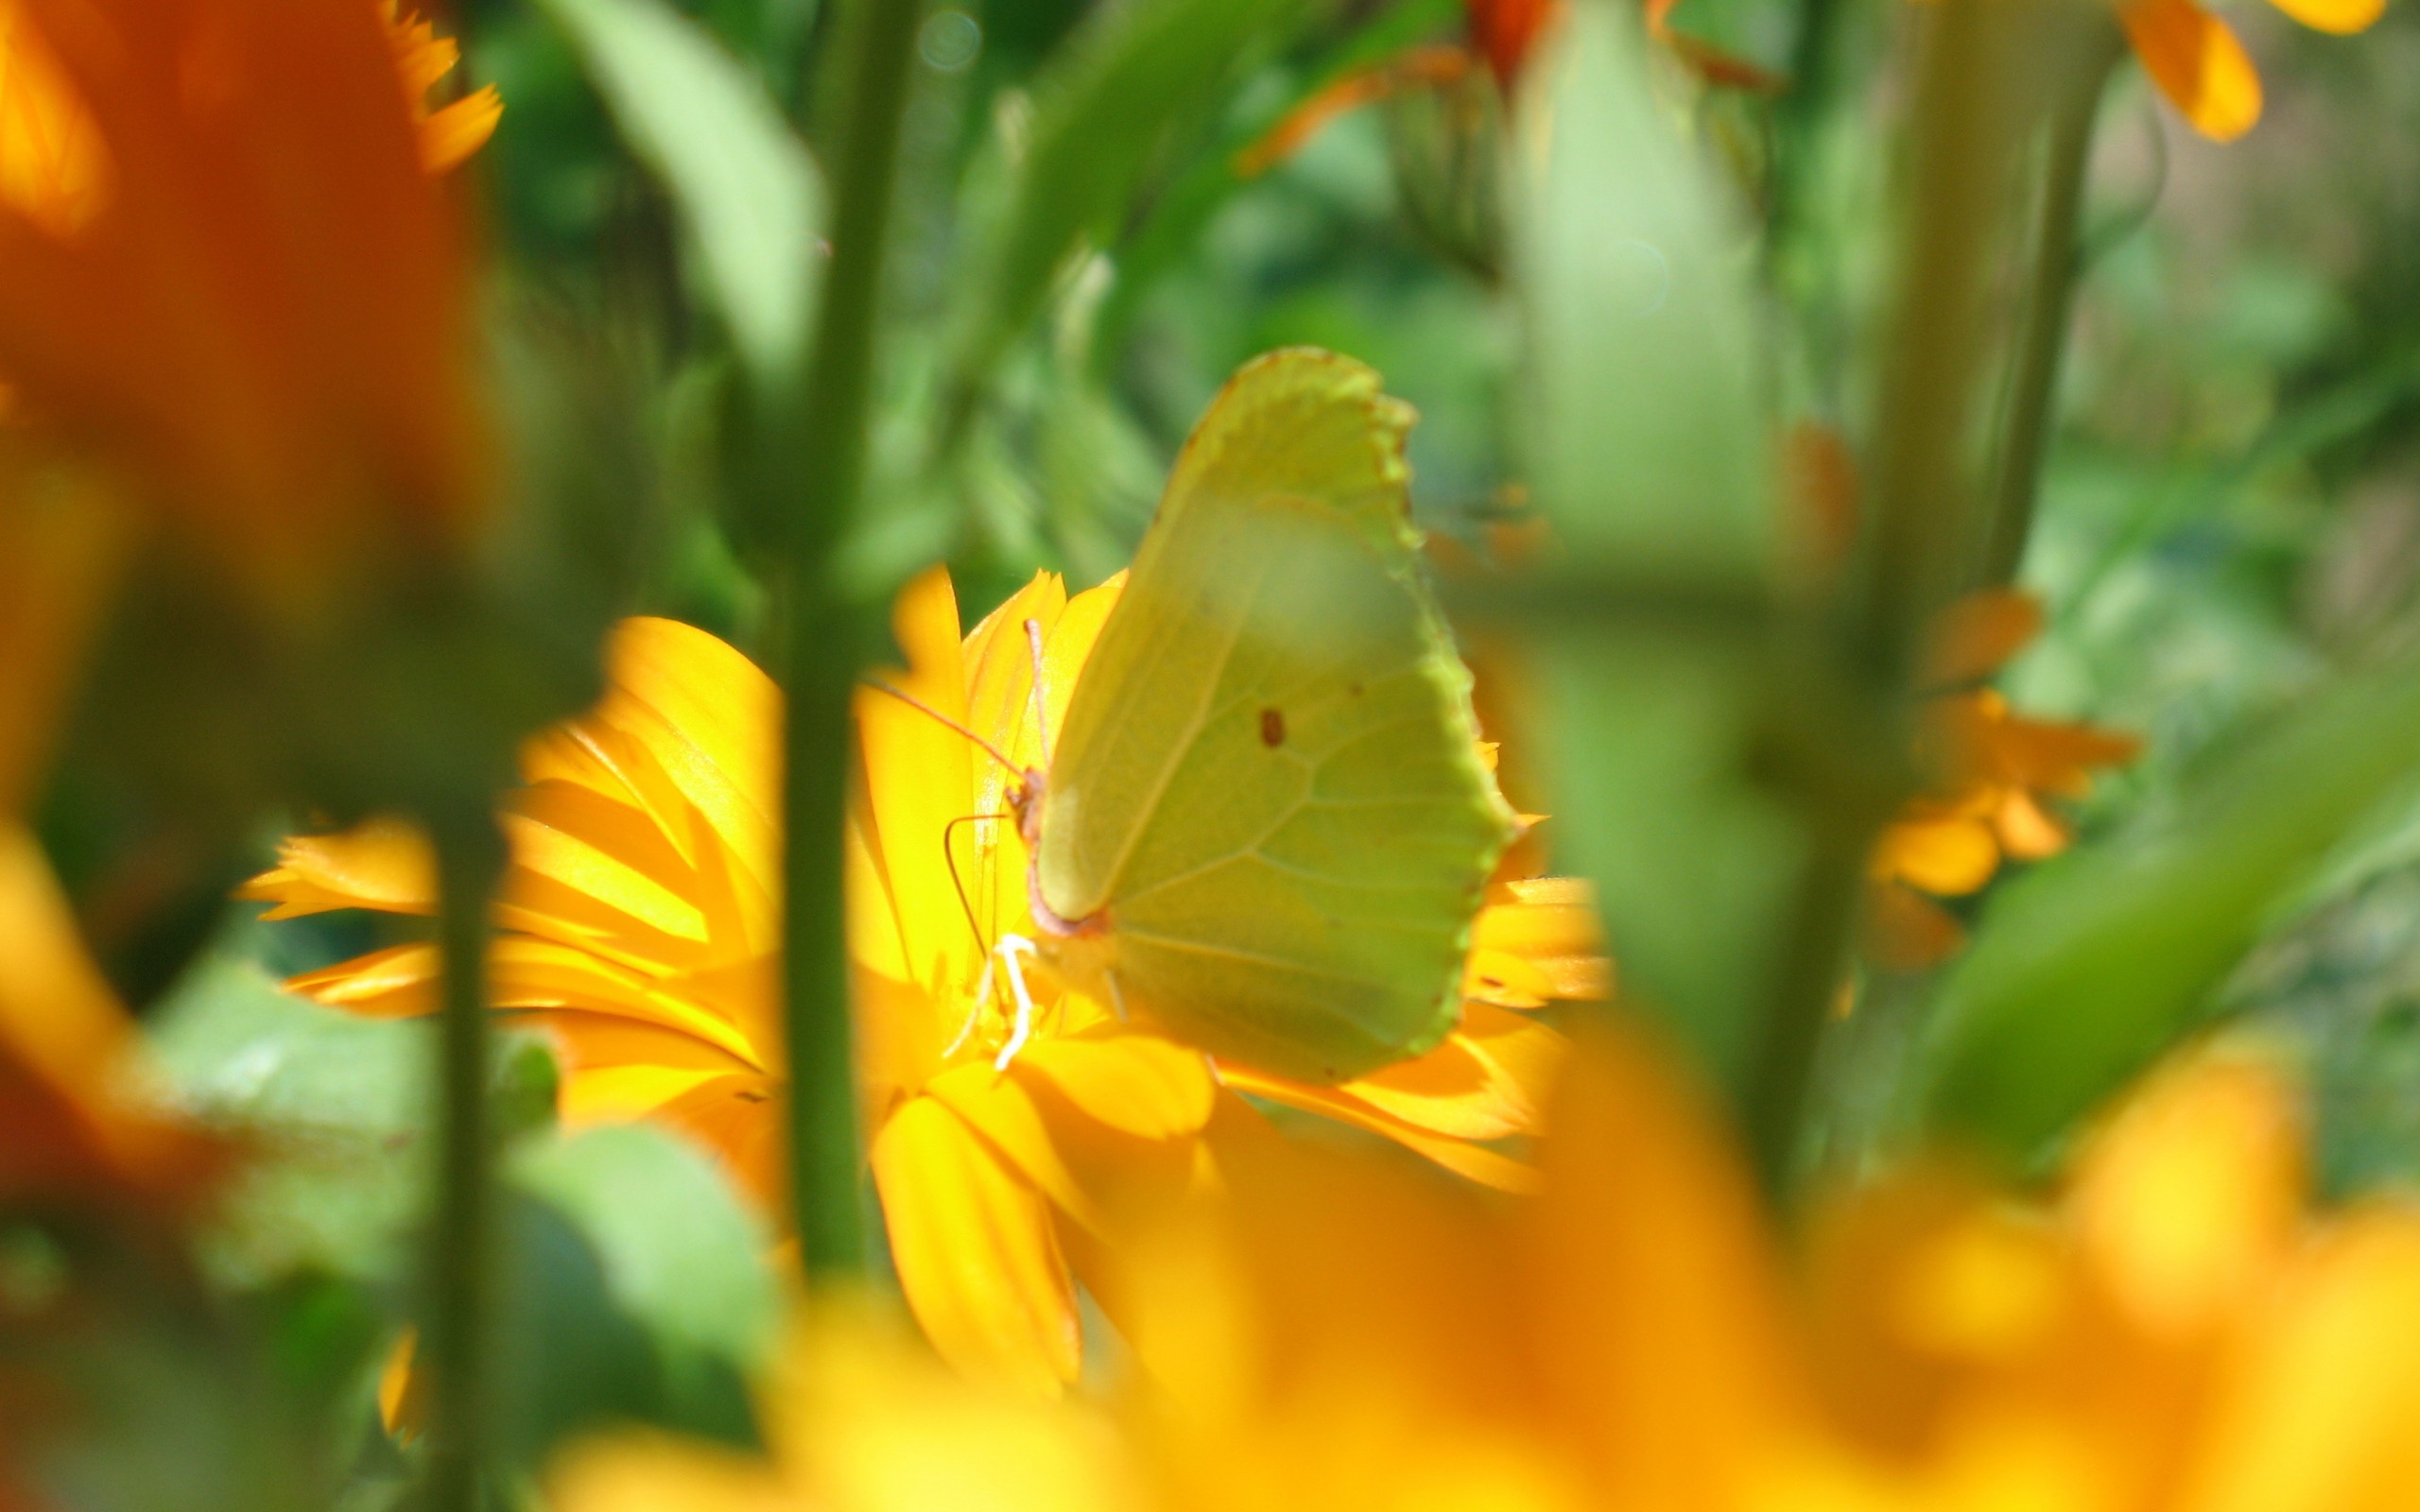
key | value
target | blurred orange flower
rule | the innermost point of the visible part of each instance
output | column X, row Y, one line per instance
column 74, row 1129
column 242, row 278
column 638, row 924
column 1992, row 769
column 223, row 268
column 2197, row 62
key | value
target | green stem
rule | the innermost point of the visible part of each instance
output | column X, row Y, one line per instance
column 2043, row 338
column 822, row 639
column 1924, row 500
column 1815, row 956
column 470, row 857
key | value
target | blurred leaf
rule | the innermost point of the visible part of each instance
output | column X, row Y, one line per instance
column 749, row 196
column 1649, row 448
column 2086, row 970
column 679, row 1250
column 1101, row 111
column 334, row 1105
column 1646, row 453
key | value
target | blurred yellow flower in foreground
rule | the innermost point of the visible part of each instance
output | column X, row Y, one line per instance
column 638, row 924
column 2174, row 1332
column 223, row 268
column 1990, row 769
column 2199, row 64
column 860, row 1420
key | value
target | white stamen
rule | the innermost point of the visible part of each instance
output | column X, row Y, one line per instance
column 1007, row 952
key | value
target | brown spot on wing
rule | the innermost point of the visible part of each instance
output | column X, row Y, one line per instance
column 1272, row 727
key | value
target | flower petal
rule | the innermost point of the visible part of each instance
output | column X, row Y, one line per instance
column 1667, row 1335
column 975, row 1253
column 1487, row 1080
column 919, row 777
column 712, row 720
column 384, row 864
column 1476, row 1162
column 2188, row 1200
column 2197, row 62
column 2341, row 17
column 1138, row 1084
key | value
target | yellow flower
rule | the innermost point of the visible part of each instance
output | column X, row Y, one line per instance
column 2175, row 1331
column 2197, row 62
column 638, row 925
column 1992, row 769
column 858, row 1420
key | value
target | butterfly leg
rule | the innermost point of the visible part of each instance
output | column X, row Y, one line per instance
column 974, row 1009
column 1010, row 948
column 1117, row 996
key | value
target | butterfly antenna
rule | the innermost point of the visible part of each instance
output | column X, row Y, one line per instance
column 1041, row 700
column 942, row 719
column 949, row 859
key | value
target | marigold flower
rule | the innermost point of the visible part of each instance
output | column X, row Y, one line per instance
column 638, row 924
column 1992, row 769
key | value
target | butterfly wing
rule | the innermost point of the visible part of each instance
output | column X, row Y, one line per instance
column 1269, row 788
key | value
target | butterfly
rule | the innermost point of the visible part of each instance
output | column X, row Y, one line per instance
column 1266, row 825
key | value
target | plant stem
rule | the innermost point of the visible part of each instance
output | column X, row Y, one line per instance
column 1815, row 955
column 1965, row 127
column 823, row 639
column 470, row 857
column 2050, row 298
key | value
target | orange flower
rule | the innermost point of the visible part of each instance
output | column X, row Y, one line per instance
column 1992, row 770
column 449, row 134
column 2197, row 62
column 2176, row 1332
column 220, row 260
column 638, row 924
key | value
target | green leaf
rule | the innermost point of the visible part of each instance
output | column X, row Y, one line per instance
column 334, row 1105
column 2084, row 971
column 679, row 1251
column 749, row 196
column 1646, row 447
column 1649, row 448
column 1100, row 110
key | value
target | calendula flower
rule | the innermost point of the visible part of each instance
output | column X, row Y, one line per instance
column 637, row 923
column 858, row 1417
column 245, row 284
column 2174, row 1330
column 2197, row 62
column 224, row 270
column 1992, row 772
